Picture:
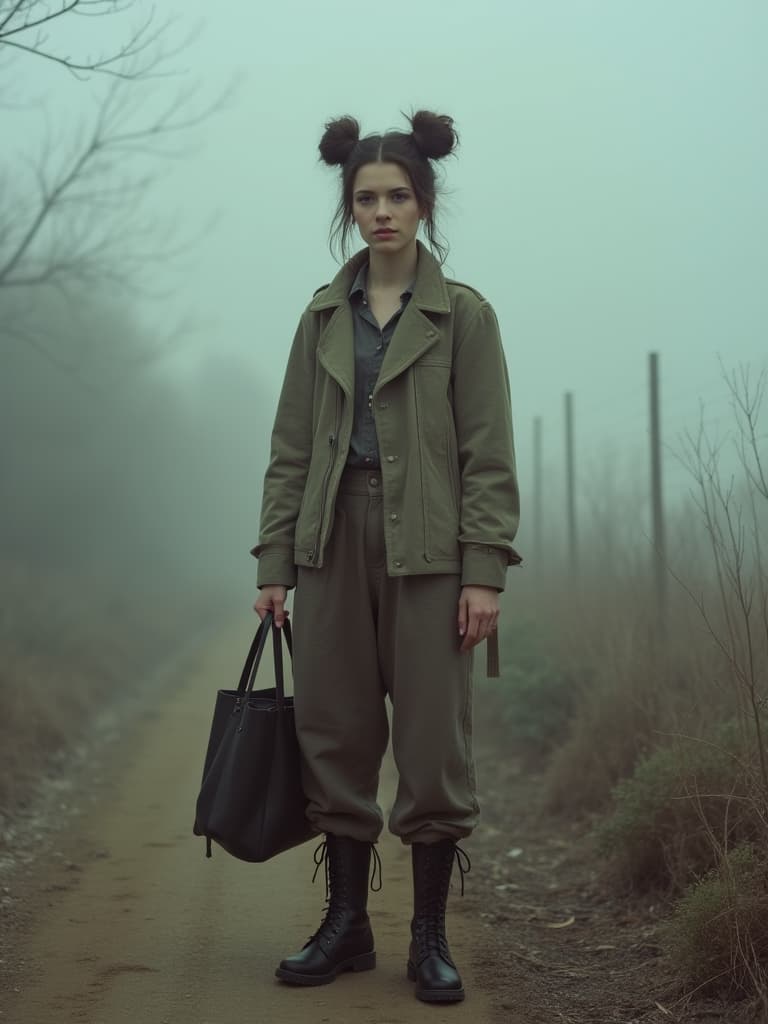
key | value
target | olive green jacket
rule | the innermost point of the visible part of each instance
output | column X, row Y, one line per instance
column 441, row 406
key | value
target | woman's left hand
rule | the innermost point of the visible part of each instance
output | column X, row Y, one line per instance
column 478, row 614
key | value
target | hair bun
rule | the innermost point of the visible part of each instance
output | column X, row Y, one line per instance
column 433, row 134
column 339, row 139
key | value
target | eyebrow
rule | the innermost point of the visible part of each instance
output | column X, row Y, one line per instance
column 369, row 191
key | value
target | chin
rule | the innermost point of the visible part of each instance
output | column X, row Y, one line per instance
column 398, row 242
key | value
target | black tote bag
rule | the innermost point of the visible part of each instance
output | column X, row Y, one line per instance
column 251, row 801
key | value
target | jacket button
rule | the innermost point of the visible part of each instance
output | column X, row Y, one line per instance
column 397, row 564
column 394, row 517
column 383, row 405
column 391, row 458
column 427, row 558
column 431, row 334
column 309, row 555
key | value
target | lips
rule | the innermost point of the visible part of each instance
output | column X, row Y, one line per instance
column 384, row 233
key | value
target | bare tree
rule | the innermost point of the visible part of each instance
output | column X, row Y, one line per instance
column 734, row 513
column 81, row 225
column 29, row 27
column 75, row 221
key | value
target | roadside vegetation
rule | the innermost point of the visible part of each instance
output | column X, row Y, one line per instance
column 117, row 550
column 653, row 732
column 117, row 544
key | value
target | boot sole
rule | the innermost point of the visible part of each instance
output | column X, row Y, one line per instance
column 435, row 995
column 364, row 962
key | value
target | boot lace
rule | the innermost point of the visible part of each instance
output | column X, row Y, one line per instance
column 429, row 924
column 336, row 893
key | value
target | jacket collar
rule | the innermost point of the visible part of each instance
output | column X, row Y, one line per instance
column 429, row 291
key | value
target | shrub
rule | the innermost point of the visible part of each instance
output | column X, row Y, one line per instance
column 717, row 937
column 604, row 740
column 672, row 813
column 537, row 708
column 533, row 701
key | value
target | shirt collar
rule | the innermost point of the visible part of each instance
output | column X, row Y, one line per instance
column 430, row 291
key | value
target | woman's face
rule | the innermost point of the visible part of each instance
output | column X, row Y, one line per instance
column 384, row 207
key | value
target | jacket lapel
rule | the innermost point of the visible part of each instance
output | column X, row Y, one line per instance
column 414, row 334
column 336, row 345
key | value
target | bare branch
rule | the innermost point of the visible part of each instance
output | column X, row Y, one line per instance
column 84, row 185
column 738, row 556
column 6, row 30
column 15, row 8
column 21, row 31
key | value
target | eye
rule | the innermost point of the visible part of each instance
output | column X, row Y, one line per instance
column 401, row 197
column 364, row 199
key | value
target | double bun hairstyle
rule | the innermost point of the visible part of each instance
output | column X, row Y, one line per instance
column 432, row 137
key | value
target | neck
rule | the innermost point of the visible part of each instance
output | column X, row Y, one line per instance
column 395, row 270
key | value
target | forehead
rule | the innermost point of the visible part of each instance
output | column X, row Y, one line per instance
column 381, row 177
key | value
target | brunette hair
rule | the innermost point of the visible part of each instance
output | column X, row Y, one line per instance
column 432, row 137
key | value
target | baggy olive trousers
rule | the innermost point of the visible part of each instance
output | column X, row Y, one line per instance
column 360, row 636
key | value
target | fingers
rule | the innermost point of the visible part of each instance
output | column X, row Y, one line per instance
column 463, row 615
column 272, row 599
column 479, row 623
column 278, row 606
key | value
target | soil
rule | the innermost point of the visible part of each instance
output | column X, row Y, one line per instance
column 111, row 913
column 569, row 947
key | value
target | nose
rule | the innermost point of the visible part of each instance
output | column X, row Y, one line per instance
column 382, row 209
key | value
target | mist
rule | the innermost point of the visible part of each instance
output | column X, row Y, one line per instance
column 164, row 221
column 607, row 198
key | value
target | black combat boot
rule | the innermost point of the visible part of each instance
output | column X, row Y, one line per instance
column 430, row 963
column 344, row 940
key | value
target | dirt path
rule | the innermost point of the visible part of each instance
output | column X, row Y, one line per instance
column 136, row 925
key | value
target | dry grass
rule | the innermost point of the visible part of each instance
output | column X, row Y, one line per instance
column 659, row 680
column 67, row 648
column 718, row 934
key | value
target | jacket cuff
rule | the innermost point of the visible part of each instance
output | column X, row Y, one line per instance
column 482, row 566
column 276, row 567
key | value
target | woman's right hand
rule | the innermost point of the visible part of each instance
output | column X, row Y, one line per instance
column 272, row 599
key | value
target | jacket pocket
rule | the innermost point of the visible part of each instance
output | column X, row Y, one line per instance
column 439, row 495
column 441, row 508
column 433, row 383
column 314, row 507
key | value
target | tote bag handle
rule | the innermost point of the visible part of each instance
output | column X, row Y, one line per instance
column 253, row 658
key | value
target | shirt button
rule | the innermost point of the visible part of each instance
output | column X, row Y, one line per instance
column 397, row 564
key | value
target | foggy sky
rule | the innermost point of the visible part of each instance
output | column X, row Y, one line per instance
column 608, row 195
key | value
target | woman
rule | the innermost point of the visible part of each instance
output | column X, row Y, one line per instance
column 390, row 503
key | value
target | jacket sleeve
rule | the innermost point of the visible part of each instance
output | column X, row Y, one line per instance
column 286, row 473
column 490, row 502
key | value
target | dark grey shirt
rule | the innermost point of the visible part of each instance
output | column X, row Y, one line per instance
column 370, row 345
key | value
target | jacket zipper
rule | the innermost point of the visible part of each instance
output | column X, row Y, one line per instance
column 326, row 478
